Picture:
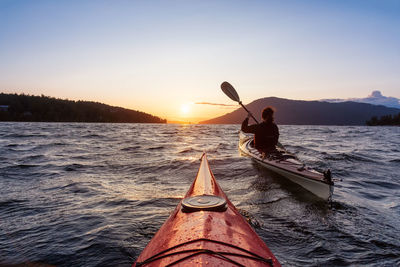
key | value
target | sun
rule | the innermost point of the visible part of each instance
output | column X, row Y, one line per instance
column 185, row 108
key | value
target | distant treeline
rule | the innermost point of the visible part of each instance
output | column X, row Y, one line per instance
column 14, row 107
column 385, row 120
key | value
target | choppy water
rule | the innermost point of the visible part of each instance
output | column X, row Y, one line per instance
column 76, row 194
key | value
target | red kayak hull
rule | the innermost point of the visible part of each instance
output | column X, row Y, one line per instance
column 206, row 237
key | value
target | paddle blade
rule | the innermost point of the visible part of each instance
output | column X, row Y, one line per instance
column 228, row 89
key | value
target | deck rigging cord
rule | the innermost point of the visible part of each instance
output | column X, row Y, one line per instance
column 196, row 252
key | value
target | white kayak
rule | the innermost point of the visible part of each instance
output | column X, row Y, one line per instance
column 288, row 166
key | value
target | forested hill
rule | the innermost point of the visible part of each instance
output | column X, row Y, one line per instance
column 14, row 107
column 298, row 112
column 387, row 120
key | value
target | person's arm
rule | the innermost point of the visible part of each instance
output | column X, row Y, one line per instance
column 276, row 134
column 248, row 128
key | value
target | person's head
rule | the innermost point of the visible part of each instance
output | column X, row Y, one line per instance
column 268, row 114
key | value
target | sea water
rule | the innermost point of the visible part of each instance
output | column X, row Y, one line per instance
column 84, row 194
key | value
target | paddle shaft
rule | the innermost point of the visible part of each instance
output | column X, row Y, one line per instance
column 243, row 106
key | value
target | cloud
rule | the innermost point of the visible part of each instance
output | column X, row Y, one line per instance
column 375, row 98
column 215, row 104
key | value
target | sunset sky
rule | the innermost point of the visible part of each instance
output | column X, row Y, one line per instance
column 161, row 57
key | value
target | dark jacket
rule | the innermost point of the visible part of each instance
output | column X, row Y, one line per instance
column 266, row 134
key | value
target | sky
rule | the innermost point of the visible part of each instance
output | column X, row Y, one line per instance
column 162, row 57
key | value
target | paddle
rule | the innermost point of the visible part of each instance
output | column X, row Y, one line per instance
column 228, row 89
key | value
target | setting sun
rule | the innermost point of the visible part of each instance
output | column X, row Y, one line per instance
column 185, row 108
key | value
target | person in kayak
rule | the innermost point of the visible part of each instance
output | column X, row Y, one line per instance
column 266, row 133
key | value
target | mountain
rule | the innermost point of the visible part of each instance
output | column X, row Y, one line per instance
column 375, row 98
column 300, row 112
column 14, row 107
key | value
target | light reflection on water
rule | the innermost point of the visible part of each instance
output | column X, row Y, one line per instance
column 94, row 194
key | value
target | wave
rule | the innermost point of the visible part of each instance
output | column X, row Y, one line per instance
column 382, row 184
column 12, row 145
column 11, row 203
column 131, row 148
column 73, row 167
column 349, row 157
column 156, row 148
column 34, row 157
column 76, row 188
column 25, row 166
column 91, row 136
column 15, row 135
column 189, row 150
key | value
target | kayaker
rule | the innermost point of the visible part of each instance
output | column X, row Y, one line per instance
column 266, row 133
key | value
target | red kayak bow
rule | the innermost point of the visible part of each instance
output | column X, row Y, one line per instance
column 206, row 230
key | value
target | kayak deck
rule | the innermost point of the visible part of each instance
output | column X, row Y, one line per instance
column 289, row 166
column 204, row 235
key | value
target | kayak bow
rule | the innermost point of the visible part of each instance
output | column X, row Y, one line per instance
column 206, row 230
column 288, row 166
